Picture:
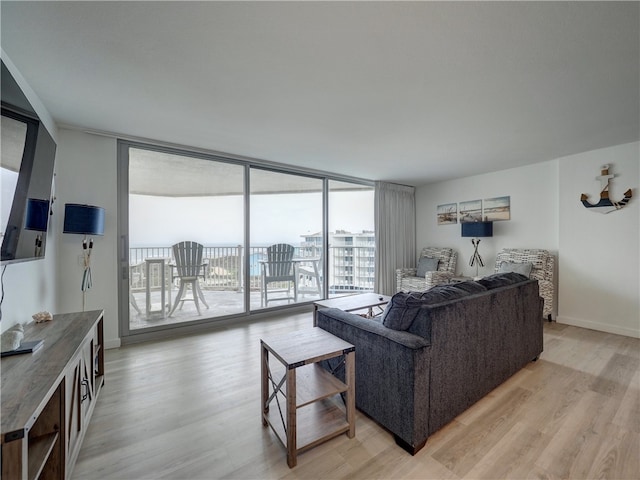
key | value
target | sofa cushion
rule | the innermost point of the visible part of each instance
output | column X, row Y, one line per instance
column 403, row 308
column 401, row 311
column 426, row 264
column 501, row 279
column 440, row 293
column 470, row 287
column 522, row 268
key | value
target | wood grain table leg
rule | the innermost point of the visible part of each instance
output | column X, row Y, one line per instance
column 350, row 377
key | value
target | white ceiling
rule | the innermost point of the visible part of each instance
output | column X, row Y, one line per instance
column 411, row 92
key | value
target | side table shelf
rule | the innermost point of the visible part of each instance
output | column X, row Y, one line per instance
column 311, row 410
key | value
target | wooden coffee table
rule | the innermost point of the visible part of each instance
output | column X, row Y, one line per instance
column 312, row 411
column 352, row 303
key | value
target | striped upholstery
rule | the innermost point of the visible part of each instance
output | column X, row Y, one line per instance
column 406, row 280
column 543, row 268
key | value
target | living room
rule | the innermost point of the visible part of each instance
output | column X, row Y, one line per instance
column 598, row 284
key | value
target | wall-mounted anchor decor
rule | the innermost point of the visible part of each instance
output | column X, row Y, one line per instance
column 605, row 205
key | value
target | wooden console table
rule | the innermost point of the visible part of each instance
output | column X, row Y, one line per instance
column 312, row 415
column 48, row 396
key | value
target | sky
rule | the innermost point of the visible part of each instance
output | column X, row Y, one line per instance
column 163, row 221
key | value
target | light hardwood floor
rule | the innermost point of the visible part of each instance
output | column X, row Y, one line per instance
column 189, row 408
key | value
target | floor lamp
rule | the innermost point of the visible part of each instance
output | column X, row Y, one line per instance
column 477, row 230
column 84, row 220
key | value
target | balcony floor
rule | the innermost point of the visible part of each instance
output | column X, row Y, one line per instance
column 221, row 303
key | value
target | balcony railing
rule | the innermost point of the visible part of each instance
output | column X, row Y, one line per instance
column 224, row 268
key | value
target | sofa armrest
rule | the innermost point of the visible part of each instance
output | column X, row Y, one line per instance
column 406, row 280
column 390, row 365
column 546, row 292
column 339, row 320
column 406, row 272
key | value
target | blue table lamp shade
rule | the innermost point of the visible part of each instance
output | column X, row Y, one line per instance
column 83, row 219
column 37, row 216
column 37, row 219
column 477, row 229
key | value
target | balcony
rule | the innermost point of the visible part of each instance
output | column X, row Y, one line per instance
column 222, row 284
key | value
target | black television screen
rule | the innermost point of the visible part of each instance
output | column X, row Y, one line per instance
column 26, row 176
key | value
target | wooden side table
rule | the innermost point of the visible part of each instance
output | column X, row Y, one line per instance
column 310, row 412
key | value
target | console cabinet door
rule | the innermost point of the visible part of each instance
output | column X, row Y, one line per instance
column 73, row 397
column 80, row 395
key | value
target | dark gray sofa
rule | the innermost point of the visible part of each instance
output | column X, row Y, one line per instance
column 415, row 381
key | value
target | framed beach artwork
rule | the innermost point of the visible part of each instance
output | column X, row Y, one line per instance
column 497, row 209
column 471, row 211
column 447, row 213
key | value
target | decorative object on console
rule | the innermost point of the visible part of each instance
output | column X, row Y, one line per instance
column 477, row 230
column 41, row 317
column 37, row 219
column 605, row 205
column 24, row 347
column 12, row 338
column 84, row 220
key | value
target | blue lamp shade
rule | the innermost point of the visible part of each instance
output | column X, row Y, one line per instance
column 477, row 229
column 83, row 219
column 37, row 215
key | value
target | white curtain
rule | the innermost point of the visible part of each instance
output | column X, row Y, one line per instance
column 395, row 216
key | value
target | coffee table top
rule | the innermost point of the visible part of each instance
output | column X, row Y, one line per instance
column 354, row 302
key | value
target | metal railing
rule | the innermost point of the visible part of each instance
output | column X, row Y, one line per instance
column 224, row 267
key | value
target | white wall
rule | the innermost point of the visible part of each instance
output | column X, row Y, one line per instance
column 87, row 173
column 597, row 271
column 30, row 287
column 600, row 264
column 534, row 198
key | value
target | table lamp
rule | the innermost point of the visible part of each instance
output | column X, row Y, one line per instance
column 477, row 230
column 36, row 219
column 84, row 220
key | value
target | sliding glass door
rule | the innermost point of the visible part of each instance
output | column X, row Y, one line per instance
column 205, row 237
column 183, row 210
column 285, row 209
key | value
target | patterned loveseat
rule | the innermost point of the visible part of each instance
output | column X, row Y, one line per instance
column 542, row 268
column 408, row 281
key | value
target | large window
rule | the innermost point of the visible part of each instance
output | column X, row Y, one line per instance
column 285, row 210
column 351, row 238
column 256, row 237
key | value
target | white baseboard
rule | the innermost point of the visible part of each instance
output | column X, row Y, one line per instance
column 601, row 327
column 113, row 343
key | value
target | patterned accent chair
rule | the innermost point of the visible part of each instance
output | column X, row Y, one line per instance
column 542, row 270
column 407, row 281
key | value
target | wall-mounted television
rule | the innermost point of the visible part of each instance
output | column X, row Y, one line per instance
column 26, row 176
